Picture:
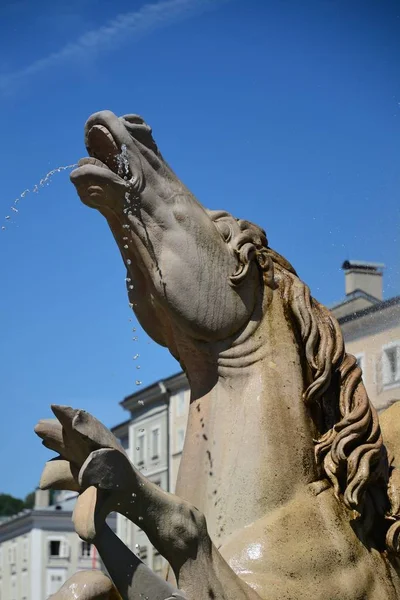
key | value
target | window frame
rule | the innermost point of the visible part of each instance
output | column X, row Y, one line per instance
column 89, row 547
column 141, row 435
column 387, row 383
column 64, row 547
column 155, row 456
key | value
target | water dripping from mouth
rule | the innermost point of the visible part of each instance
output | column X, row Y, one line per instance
column 34, row 190
column 122, row 162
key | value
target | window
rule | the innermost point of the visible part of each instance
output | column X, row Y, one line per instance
column 157, row 563
column 58, row 548
column 24, row 585
column 54, row 548
column 155, row 443
column 25, row 550
column 55, row 579
column 13, row 587
column 141, row 448
column 181, row 403
column 180, row 439
column 391, row 364
column 12, row 554
column 142, row 553
column 86, row 549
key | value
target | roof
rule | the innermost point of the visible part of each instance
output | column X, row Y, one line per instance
column 370, row 309
column 362, row 264
column 155, row 390
column 66, row 505
column 353, row 296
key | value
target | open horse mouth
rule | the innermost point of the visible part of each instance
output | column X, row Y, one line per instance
column 105, row 151
column 108, row 167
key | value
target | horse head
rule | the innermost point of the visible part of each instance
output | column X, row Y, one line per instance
column 185, row 265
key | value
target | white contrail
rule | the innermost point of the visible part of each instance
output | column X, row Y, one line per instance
column 130, row 24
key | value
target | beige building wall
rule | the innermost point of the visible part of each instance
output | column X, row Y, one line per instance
column 375, row 341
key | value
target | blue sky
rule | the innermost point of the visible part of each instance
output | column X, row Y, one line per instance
column 283, row 112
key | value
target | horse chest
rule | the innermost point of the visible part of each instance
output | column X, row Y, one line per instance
column 307, row 549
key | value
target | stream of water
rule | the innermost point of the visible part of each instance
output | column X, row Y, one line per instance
column 14, row 210
column 123, row 171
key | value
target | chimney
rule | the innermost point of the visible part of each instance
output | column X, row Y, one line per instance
column 361, row 276
column 42, row 499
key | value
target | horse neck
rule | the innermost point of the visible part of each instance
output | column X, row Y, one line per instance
column 249, row 444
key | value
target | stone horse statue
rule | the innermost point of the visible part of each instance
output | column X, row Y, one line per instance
column 287, row 489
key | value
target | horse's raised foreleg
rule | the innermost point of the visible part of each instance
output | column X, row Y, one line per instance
column 176, row 528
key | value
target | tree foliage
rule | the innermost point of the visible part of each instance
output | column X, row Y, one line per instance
column 10, row 506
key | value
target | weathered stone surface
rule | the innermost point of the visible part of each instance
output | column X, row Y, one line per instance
column 286, row 489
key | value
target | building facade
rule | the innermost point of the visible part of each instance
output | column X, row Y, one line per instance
column 371, row 329
column 39, row 549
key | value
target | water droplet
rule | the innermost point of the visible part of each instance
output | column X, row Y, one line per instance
column 138, row 366
column 138, row 382
column 126, row 248
column 136, row 356
column 44, row 181
column 140, row 402
column 129, row 262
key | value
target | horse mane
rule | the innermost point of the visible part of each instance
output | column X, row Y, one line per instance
column 350, row 448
